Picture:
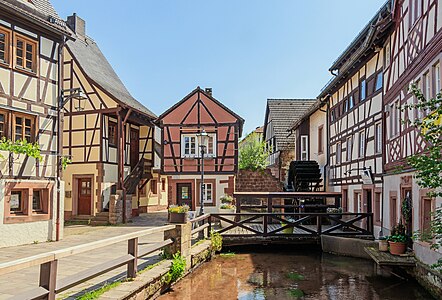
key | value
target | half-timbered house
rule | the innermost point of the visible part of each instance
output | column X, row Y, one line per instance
column 181, row 156
column 31, row 41
column 413, row 54
column 279, row 117
column 109, row 139
column 356, row 119
column 311, row 132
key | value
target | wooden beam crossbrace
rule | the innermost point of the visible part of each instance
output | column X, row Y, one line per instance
column 238, row 224
column 348, row 223
column 293, row 224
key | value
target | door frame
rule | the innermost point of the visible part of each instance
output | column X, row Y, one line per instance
column 75, row 193
column 192, row 192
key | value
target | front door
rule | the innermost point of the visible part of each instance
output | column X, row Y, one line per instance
column 84, row 196
column 184, row 194
column 134, row 147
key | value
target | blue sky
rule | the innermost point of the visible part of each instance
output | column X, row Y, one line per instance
column 246, row 50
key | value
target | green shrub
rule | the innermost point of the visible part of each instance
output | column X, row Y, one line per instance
column 216, row 241
column 177, row 268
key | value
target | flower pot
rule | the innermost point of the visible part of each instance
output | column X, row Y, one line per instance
column 383, row 246
column 288, row 230
column 177, row 217
column 225, row 224
column 397, row 248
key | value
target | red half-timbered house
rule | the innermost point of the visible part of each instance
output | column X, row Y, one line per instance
column 413, row 54
column 31, row 41
column 109, row 139
column 181, row 159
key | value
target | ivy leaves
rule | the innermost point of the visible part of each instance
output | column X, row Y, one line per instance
column 21, row 147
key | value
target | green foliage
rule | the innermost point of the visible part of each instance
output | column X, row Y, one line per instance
column 179, row 208
column 97, row 293
column 177, row 269
column 216, row 241
column 227, row 206
column 65, row 161
column 21, row 147
column 295, row 276
column 296, row 293
column 226, row 199
column 228, row 254
column 253, row 153
column 398, row 234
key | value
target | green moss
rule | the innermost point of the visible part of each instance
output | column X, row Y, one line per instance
column 97, row 293
column 295, row 276
column 227, row 254
column 296, row 293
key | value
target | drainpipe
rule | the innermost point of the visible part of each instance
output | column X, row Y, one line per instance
column 59, row 136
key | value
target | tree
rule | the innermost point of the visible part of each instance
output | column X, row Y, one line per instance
column 253, row 153
column 428, row 165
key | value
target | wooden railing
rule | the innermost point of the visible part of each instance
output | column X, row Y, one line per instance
column 49, row 286
column 199, row 224
column 303, row 224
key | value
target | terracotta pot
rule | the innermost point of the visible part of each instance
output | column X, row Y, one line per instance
column 383, row 246
column 397, row 248
column 178, row 218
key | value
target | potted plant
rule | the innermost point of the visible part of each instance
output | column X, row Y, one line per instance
column 398, row 240
column 383, row 244
column 334, row 212
column 178, row 213
column 227, row 206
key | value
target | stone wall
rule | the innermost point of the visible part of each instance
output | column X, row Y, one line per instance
column 116, row 208
column 257, row 181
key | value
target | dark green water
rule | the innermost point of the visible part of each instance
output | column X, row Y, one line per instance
column 313, row 275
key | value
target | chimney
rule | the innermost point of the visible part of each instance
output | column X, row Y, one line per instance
column 209, row 91
column 77, row 25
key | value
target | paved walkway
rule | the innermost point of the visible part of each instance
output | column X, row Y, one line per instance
column 26, row 279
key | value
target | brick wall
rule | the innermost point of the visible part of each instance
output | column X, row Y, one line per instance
column 257, row 181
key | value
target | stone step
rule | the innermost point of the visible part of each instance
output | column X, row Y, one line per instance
column 101, row 218
column 99, row 222
column 82, row 218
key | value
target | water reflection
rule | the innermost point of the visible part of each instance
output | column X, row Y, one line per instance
column 293, row 276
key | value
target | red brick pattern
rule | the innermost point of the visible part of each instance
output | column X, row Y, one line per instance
column 257, row 181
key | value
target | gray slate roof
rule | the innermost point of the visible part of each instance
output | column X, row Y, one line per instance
column 98, row 69
column 282, row 113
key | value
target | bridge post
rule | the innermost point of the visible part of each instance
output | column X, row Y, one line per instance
column 48, row 278
column 132, row 266
column 319, row 224
column 181, row 236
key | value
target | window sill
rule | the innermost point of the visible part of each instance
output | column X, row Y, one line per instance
column 13, row 219
column 5, row 64
column 26, row 71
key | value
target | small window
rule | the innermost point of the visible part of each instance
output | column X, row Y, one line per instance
column 436, row 73
column 304, row 147
column 394, row 119
column 415, row 8
column 25, row 54
column 112, row 129
column 207, row 192
column 4, row 46
column 338, row 152
column 379, row 81
column 3, row 124
column 387, row 54
column 378, row 137
column 351, row 102
column 349, row 150
column 210, row 145
column 427, row 85
column 37, row 200
column 16, row 202
column 320, row 139
column 361, row 143
column 24, row 128
column 363, row 94
column 332, row 116
column 345, row 106
column 377, row 208
column 189, row 145
column 154, row 186
column 163, row 184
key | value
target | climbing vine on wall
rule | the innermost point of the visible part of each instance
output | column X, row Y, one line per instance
column 20, row 147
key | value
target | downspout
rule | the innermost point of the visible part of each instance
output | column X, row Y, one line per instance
column 59, row 136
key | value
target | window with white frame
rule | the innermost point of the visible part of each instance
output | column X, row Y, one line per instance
column 361, row 143
column 415, row 10
column 394, row 119
column 208, row 192
column 304, row 147
column 349, row 148
column 191, row 148
column 436, row 73
column 378, row 137
column 427, row 85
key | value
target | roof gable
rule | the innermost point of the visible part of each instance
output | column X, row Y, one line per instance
column 199, row 108
column 98, row 69
column 281, row 114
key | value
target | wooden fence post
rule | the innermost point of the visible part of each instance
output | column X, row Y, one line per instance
column 319, row 224
column 132, row 266
column 48, row 277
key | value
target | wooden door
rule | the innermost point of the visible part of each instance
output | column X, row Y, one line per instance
column 184, row 194
column 84, row 196
column 134, row 147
